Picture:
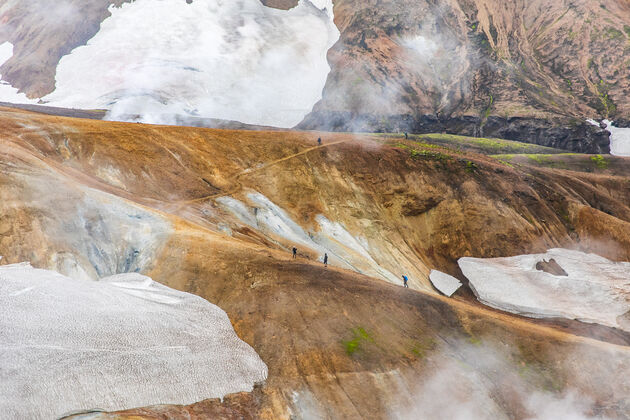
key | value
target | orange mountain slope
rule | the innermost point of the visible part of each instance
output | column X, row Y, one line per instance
column 92, row 198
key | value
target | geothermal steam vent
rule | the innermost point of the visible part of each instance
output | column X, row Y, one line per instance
column 121, row 342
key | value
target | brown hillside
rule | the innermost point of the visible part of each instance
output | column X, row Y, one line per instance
column 94, row 197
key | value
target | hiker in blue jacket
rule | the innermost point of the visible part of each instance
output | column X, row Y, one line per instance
column 405, row 279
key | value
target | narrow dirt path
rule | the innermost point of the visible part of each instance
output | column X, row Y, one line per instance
column 235, row 178
column 96, row 183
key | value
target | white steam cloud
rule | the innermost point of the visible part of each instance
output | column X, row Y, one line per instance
column 571, row 406
column 420, row 45
column 440, row 61
column 153, row 60
column 482, row 382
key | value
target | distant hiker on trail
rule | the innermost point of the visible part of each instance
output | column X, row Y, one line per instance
column 405, row 279
column 319, row 141
column 326, row 259
column 406, row 136
column 294, row 252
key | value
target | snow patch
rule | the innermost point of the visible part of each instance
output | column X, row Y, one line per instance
column 240, row 210
column 275, row 220
column 596, row 290
column 445, row 283
column 153, row 60
column 342, row 243
column 121, row 342
column 619, row 138
column 7, row 92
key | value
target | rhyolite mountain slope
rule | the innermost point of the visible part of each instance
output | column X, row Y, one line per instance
column 92, row 199
column 527, row 70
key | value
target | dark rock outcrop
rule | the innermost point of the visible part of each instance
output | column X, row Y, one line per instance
column 551, row 267
column 280, row 4
column 567, row 134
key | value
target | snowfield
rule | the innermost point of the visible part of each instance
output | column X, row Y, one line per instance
column 228, row 59
column 121, row 342
column 596, row 290
column 619, row 139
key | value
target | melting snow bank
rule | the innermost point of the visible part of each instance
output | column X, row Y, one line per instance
column 118, row 343
column 235, row 60
column 596, row 290
column 7, row 92
column 619, row 138
column 445, row 283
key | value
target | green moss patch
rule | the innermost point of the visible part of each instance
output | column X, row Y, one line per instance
column 359, row 337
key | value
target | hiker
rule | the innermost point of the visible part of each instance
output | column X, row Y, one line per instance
column 319, row 141
column 405, row 279
column 326, row 259
column 406, row 136
column 294, row 252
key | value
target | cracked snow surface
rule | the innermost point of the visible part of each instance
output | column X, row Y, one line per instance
column 122, row 342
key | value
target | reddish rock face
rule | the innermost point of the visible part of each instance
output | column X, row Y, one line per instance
column 478, row 57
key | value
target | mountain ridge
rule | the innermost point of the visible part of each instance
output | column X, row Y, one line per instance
column 527, row 72
column 147, row 198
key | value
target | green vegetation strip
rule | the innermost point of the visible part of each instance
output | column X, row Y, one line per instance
column 574, row 161
column 487, row 146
